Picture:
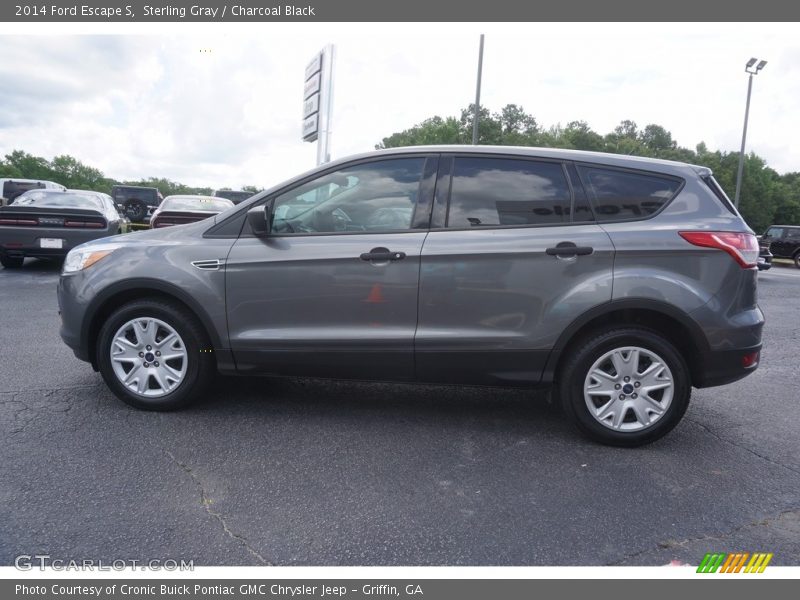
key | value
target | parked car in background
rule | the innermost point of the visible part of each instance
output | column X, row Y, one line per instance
column 783, row 242
column 182, row 209
column 49, row 223
column 137, row 203
column 622, row 281
column 235, row 196
column 764, row 255
column 10, row 189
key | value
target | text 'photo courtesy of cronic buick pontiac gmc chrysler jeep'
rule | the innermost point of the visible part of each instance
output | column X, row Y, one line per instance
column 622, row 282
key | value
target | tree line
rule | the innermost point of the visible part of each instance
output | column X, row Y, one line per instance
column 74, row 175
column 766, row 198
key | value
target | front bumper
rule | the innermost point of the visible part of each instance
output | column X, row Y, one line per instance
column 72, row 306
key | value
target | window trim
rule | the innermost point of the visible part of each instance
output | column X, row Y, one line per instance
column 243, row 207
column 642, row 172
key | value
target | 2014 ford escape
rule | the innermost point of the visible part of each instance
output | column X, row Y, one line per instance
column 623, row 281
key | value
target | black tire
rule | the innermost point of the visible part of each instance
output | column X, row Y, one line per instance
column 575, row 370
column 797, row 260
column 11, row 262
column 201, row 366
column 135, row 210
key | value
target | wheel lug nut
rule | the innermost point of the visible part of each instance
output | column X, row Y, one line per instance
column 626, row 378
column 156, row 364
column 634, row 396
column 622, row 396
column 141, row 354
column 616, row 387
column 159, row 354
column 149, row 347
column 146, row 364
column 637, row 384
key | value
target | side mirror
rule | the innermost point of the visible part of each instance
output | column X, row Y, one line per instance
column 260, row 220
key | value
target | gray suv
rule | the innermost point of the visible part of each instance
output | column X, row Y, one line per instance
column 621, row 281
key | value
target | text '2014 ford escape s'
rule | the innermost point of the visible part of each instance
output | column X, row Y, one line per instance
column 622, row 281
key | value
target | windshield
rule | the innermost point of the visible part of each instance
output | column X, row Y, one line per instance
column 196, row 203
column 59, row 199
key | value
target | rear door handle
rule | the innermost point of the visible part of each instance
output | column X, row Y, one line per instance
column 569, row 249
column 382, row 255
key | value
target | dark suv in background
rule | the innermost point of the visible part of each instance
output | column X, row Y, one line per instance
column 138, row 203
column 783, row 242
column 621, row 281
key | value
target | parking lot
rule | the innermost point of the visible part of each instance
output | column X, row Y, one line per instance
column 309, row 472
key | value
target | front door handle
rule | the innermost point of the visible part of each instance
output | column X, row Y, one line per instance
column 382, row 255
column 569, row 249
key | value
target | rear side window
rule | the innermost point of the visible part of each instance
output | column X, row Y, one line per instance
column 499, row 191
column 793, row 234
column 625, row 195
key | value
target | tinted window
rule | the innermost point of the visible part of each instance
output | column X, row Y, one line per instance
column 374, row 196
column 61, row 199
column 499, row 191
column 620, row 195
column 793, row 234
column 774, row 232
column 198, row 203
column 16, row 188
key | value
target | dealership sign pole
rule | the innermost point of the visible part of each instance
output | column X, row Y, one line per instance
column 318, row 102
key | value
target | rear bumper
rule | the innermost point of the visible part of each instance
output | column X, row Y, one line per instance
column 27, row 242
column 721, row 367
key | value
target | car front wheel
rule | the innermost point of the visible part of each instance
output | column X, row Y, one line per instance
column 154, row 355
column 625, row 386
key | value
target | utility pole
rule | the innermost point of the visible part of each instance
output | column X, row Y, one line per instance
column 477, row 96
column 749, row 68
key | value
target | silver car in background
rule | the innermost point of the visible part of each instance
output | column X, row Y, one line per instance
column 621, row 282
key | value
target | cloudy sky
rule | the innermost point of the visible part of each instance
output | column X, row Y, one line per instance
column 219, row 104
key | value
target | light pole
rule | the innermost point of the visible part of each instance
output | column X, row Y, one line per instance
column 752, row 70
column 477, row 96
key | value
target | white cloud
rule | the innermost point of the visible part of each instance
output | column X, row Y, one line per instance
column 220, row 106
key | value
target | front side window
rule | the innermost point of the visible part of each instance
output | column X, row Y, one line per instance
column 499, row 191
column 774, row 233
column 369, row 197
column 623, row 195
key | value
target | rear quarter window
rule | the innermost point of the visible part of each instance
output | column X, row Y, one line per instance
column 618, row 195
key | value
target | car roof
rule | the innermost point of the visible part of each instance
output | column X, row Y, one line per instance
column 606, row 158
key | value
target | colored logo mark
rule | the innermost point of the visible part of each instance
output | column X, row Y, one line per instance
column 738, row 562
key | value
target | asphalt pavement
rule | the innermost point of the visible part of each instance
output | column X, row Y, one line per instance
column 310, row 472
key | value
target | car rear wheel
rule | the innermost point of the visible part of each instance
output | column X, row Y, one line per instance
column 625, row 386
column 11, row 262
column 797, row 260
column 154, row 355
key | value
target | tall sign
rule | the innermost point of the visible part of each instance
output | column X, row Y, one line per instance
column 318, row 102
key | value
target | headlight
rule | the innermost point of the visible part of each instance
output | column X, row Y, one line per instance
column 83, row 258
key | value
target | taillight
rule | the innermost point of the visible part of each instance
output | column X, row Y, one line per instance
column 21, row 222
column 83, row 224
column 743, row 247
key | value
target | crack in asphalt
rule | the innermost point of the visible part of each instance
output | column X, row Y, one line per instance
column 742, row 446
column 52, row 390
column 205, row 502
column 768, row 522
